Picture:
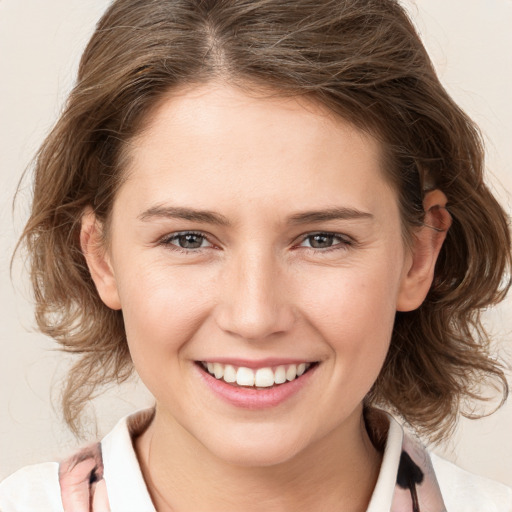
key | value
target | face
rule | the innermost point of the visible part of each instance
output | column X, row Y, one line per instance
column 260, row 238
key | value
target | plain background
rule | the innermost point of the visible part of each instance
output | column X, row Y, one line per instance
column 470, row 42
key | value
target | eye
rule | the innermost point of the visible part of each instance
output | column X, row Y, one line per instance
column 185, row 241
column 326, row 241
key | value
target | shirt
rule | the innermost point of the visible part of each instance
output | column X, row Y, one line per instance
column 107, row 476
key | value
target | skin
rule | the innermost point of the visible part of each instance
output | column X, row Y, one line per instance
column 256, row 288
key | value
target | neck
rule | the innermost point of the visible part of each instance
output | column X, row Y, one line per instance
column 337, row 472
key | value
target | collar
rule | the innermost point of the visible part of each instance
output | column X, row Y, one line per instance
column 127, row 491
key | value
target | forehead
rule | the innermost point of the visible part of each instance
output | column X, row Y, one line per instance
column 224, row 145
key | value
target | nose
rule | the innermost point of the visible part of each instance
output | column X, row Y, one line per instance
column 255, row 297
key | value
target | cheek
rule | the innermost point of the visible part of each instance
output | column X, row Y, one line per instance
column 354, row 312
column 162, row 309
column 361, row 298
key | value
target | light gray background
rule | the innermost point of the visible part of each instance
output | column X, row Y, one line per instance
column 470, row 42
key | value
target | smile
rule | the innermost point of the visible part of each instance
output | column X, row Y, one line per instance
column 256, row 385
column 256, row 378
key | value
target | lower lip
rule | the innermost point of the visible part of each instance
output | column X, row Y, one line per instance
column 248, row 398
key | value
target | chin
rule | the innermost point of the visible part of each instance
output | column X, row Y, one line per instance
column 263, row 451
column 256, row 456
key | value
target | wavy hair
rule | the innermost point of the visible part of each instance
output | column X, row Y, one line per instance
column 364, row 61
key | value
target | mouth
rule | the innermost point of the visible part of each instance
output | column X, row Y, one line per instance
column 257, row 378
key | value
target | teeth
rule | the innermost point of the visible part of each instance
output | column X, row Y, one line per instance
column 245, row 377
column 260, row 378
column 291, row 373
column 229, row 373
column 280, row 375
column 264, row 378
column 218, row 370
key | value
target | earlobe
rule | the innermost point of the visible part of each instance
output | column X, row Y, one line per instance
column 98, row 260
column 426, row 245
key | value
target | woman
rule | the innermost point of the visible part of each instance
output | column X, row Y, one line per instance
column 276, row 215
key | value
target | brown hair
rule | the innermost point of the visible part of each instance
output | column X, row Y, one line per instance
column 363, row 60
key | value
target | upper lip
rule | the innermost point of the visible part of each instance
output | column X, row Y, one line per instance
column 257, row 363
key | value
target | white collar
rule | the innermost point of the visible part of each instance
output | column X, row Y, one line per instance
column 127, row 491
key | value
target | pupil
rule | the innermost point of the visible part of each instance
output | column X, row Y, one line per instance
column 321, row 241
column 190, row 241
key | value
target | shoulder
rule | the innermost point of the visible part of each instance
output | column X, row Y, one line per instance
column 103, row 474
column 466, row 492
column 32, row 489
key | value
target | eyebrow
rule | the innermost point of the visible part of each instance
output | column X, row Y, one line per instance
column 336, row 213
column 209, row 217
column 176, row 212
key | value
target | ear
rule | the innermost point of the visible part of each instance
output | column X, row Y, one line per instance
column 426, row 244
column 98, row 259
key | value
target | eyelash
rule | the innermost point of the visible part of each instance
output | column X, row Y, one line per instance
column 345, row 242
